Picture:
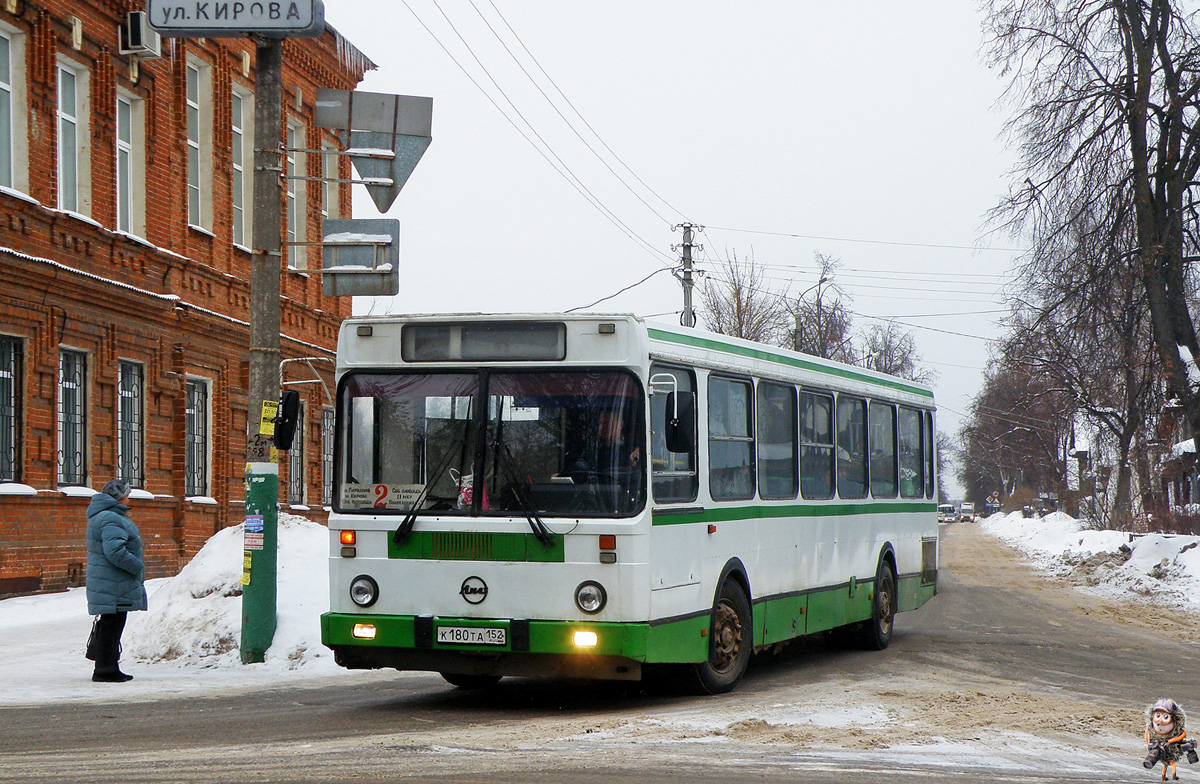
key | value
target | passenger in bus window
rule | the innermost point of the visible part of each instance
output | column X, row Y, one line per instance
column 609, row 452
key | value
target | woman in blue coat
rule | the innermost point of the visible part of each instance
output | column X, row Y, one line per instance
column 116, row 576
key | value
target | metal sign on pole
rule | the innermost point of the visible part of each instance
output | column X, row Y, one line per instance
column 360, row 257
column 385, row 136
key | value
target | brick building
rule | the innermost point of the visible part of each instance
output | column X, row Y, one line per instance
column 125, row 215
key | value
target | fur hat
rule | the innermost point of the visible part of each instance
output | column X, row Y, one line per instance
column 1171, row 707
column 117, row 488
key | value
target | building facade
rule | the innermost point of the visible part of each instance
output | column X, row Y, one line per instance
column 126, row 206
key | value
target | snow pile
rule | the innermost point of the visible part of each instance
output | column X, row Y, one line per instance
column 195, row 618
column 1164, row 569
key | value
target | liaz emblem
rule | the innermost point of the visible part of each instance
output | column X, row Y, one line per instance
column 474, row 590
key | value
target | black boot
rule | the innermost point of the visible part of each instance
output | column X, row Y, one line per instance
column 115, row 676
column 108, row 635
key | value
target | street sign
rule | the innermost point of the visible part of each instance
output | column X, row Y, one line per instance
column 236, row 18
column 385, row 136
column 360, row 257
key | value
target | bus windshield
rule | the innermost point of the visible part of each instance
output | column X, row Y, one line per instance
column 492, row 443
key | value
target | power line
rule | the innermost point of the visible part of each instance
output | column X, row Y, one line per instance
column 568, row 175
column 918, row 326
column 569, row 124
column 622, row 291
column 868, row 242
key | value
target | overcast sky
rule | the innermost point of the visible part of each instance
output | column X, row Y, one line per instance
column 870, row 133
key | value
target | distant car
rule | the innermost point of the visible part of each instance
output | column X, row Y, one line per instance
column 966, row 512
column 947, row 513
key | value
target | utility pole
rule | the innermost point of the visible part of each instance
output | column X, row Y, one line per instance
column 684, row 275
column 262, row 462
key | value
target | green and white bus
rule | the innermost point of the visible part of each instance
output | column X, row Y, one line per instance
column 595, row 496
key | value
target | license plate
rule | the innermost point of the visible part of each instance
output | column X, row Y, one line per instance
column 471, row 635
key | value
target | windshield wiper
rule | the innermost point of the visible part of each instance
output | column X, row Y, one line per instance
column 540, row 529
column 410, row 519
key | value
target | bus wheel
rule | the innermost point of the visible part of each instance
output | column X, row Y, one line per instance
column 876, row 633
column 471, row 681
column 729, row 642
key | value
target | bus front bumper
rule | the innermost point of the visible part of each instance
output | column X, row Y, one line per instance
column 474, row 646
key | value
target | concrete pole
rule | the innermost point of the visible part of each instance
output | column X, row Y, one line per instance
column 262, row 466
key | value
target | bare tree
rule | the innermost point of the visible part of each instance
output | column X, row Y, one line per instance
column 822, row 316
column 892, row 350
column 1014, row 439
column 1084, row 327
column 737, row 302
column 1108, row 122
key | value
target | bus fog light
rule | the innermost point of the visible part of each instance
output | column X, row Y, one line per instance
column 363, row 591
column 590, row 597
column 364, row 631
column 585, row 639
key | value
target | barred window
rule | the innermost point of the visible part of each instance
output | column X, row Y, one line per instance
column 327, row 420
column 296, row 493
column 72, row 417
column 196, row 467
column 130, row 439
column 10, row 409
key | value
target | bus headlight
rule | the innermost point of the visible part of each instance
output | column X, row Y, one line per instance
column 363, row 591
column 590, row 597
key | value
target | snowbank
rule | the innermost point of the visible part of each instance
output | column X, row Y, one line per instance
column 1164, row 569
column 195, row 618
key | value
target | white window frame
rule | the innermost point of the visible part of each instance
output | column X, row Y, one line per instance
column 199, row 144
column 16, row 137
column 131, row 177
column 296, row 223
column 77, row 199
column 6, row 110
column 238, row 181
column 330, row 188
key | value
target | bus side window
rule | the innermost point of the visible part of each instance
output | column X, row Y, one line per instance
column 883, row 450
column 777, row 451
column 673, row 474
column 911, row 458
column 816, row 445
column 930, row 447
column 730, row 439
column 851, row 447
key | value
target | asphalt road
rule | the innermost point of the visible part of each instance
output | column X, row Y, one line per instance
column 997, row 650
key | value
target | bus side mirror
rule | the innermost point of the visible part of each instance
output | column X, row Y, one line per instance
column 285, row 421
column 680, row 430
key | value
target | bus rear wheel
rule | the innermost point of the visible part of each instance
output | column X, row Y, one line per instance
column 471, row 681
column 729, row 644
column 876, row 633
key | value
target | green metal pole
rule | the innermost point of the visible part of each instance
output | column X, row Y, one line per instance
column 262, row 466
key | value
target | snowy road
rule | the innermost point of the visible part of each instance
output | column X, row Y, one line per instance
column 1005, row 676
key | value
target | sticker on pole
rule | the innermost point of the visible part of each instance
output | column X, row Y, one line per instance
column 266, row 423
column 247, row 559
column 252, row 532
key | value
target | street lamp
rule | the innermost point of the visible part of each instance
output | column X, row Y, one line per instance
column 796, row 335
